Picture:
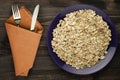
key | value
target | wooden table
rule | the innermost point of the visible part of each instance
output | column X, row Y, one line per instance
column 44, row 68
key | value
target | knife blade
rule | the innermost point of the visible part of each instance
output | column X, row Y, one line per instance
column 34, row 17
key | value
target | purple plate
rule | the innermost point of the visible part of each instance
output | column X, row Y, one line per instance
column 102, row 63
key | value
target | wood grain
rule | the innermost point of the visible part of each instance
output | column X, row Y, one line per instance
column 44, row 68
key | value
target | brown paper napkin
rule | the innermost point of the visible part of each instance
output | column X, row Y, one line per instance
column 23, row 42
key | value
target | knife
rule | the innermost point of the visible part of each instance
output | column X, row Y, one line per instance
column 34, row 17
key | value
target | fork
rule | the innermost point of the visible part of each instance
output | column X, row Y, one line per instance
column 16, row 14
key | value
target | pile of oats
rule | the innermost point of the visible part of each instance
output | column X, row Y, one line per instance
column 81, row 39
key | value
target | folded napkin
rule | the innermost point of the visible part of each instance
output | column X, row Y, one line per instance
column 23, row 42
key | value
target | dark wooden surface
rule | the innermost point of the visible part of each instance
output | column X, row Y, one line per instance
column 44, row 68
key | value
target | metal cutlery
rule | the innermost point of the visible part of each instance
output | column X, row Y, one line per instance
column 16, row 13
column 34, row 17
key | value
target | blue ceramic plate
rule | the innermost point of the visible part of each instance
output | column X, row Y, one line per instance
column 102, row 63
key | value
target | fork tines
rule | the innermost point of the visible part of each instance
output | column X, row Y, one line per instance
column 16, row 13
